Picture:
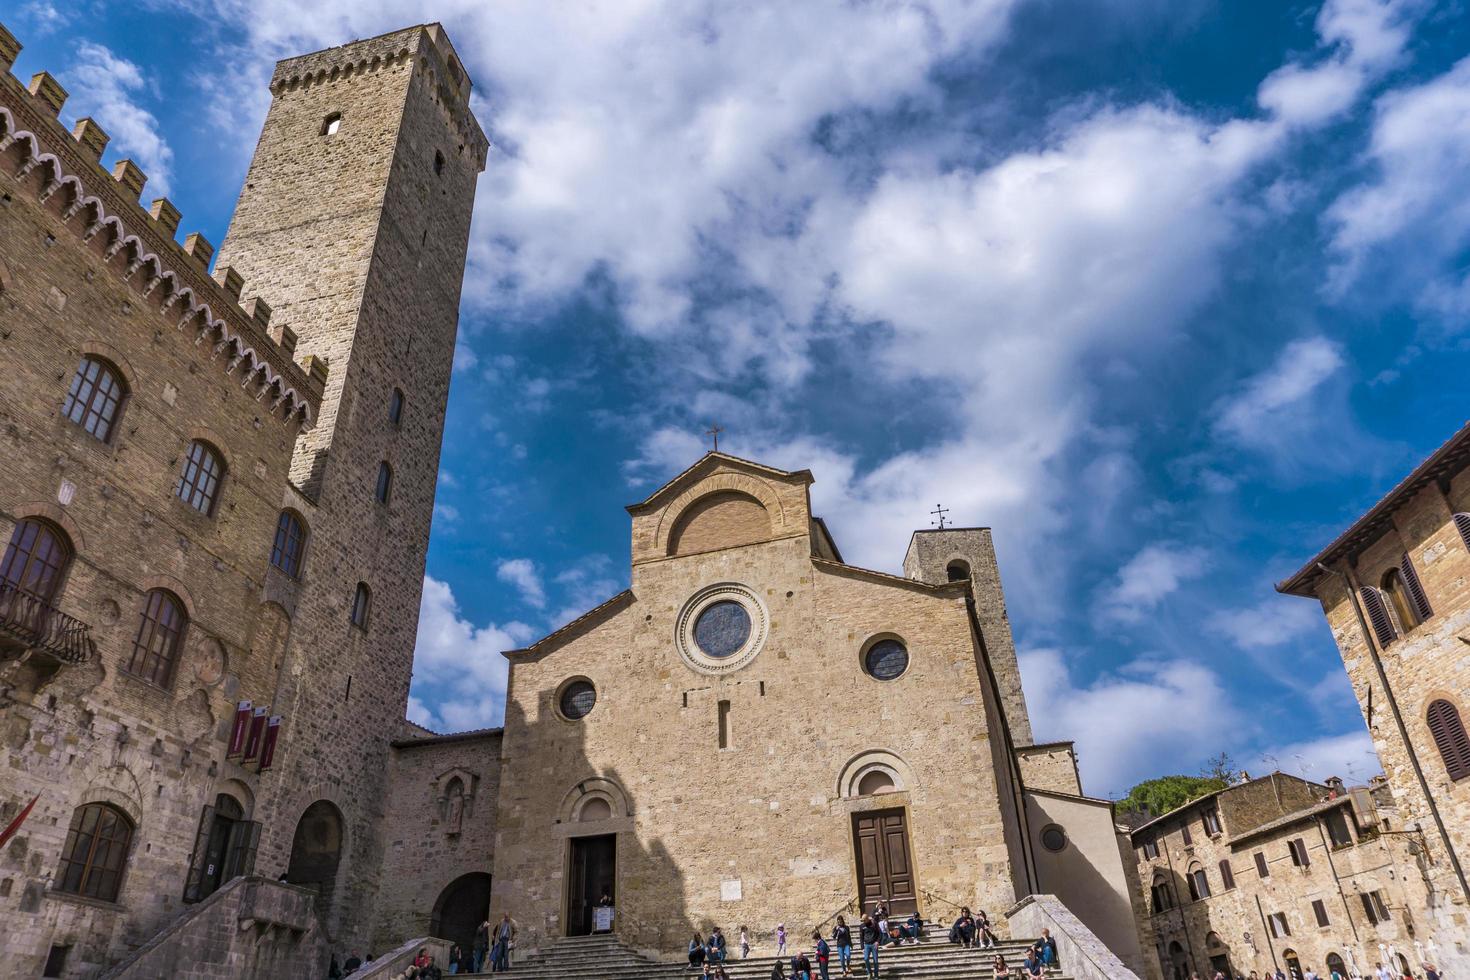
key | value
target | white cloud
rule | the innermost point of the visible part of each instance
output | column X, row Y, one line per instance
column 459, row 675
column 1149, row 578
column 522, row 573
column 1150, row 717
column 1350, row 756
column 446, row 512
column 1413, row 219
column 1271, row 623
column 105, row 87
column 1276, row 403
column 464, row 357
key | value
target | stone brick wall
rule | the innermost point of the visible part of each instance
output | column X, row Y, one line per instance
column 760, row 831
column 1052, row 766
column 1424, row 664
column 359, row 237
column 94, row 732
column 427, row 849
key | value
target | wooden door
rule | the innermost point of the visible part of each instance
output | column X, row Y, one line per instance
column 593, row 873
column 881, row 843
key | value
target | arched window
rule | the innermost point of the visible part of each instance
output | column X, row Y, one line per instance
column 876, row 781
column 331, row 124
column 1406, row 595
column 160, row 634
column 95, row 397
column 35, row 559
column 361, row 605
column 1462, row 524
column 1163, row 895
column 395, row 406
column 1449, row 734
column 198, row 484
column 1199, row 883
column 438, row 162
column 385, row 482
column 96, row 852
column 958, row 570
column 290, row 544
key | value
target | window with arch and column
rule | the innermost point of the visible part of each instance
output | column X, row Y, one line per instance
column 160, row 636
column 95, row 399
column 289, row 547
column 1406, row 596
column 1199, row 883
column 95, row 855
column 1448, row 730
column 1161, row 894
column 36, row 559
column 199, row 480
column 385, row 482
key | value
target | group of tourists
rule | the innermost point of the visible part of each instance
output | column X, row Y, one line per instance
column 1381, row 972
column 874, row 931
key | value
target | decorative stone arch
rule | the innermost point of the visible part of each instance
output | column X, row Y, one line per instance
column 212, row 439
column 56, row 514
column 865, row 765
column 242, row 793
column 720, row 482
column 170, row 584
column 118, row 786
column 595, row 788
column 101, row 348
column 319, row 845
column 453, row 812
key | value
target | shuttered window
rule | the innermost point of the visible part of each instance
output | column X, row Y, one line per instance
column 1378, row 616
column 1462, row 523
column 1150, row 849
column 1227, row 877
column 1279, row 927
column 1298, row 852
column 1261, row 868
column 1414, row 602
column 1449, row 734
column 1375, row 908
column 1188, row 838
column 1320, row 911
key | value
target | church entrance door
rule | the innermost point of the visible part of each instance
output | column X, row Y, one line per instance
column 881, row 843
column 593, row 871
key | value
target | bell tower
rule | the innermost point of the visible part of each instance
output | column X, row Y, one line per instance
column 353, row 225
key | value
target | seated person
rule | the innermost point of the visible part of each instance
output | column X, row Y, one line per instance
column 801, row 967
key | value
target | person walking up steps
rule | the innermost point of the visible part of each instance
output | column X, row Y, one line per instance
column 870, row 937
column 842, row 936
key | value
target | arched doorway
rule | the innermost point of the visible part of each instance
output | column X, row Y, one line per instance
column 1293, row 965
column 461, row 907
column 1218, row 953
column 1336, row 965
column 228, row 816
column 1179, row 960
column 316, row 850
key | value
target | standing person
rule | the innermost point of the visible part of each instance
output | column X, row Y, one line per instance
column 744, row 942
column 824, row 954
column 454, row 956
column 801, row 967
column 870, row 937
column 1430, row 973
column 505, row 937
column 780, row 939
column 696, row 951
column 482, row 945
column 842, row 936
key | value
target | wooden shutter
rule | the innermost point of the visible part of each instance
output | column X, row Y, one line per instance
column 1378, row 615
column 1226, row 875
column 200, row 859
column 1320, row 910
column 1449, row 735
column 1261, row 865
column 1415, row 591
column 244, row 842
column 1462, row 523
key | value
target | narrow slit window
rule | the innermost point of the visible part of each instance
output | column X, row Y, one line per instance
column 724, row 720
column 331, row 124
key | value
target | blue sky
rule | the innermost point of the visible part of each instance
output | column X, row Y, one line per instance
column 1165, row 291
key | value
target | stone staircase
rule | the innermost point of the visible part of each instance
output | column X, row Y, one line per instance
column 604, row 957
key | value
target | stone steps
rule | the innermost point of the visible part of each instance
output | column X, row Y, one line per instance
column 603, row 957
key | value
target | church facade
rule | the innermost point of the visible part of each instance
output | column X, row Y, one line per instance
column 758, row 732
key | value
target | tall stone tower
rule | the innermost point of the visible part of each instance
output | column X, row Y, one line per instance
column 354, row 224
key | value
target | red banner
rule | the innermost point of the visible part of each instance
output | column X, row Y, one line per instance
column 237, row 733
column 268, row 750
column 9, row 832
column 252, row 741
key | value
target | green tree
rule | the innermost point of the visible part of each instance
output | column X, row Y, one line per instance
column 1159, row 796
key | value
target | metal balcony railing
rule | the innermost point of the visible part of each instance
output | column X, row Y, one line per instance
column 38, row 625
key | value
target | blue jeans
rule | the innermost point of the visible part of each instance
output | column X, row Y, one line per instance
column 822, row 969
column 479, row 959
column 844, row 956
column 870, row 958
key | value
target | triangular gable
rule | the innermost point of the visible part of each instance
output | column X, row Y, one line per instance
column 702, row 467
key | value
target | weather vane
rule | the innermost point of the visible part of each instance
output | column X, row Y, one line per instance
column 714, row 433
column 940, row 511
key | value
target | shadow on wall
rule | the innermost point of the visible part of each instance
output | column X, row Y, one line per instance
column 595, row 850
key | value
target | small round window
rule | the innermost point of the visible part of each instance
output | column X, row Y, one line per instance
column 722, row 629
column 577, row 699
column 1053, row 838
column 886, row 660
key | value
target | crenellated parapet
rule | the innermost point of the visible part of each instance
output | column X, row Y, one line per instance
column 424, row 49
column 64, row 172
